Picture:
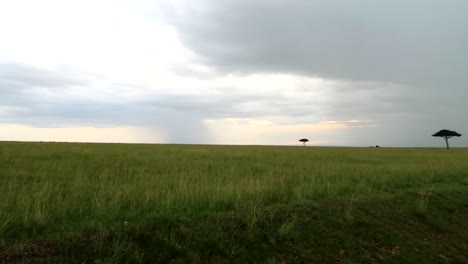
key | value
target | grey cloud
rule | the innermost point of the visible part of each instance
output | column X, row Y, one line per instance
column 17, row 79
column 14, row 77
column 421, row 42
column 399, row 63
column 56, row 104
column 182, row 115
column 65, row 108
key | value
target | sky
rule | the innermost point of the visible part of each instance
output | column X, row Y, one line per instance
column 340, row 73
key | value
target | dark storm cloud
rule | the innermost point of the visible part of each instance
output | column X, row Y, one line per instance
column 399, row 63
column 419, row 42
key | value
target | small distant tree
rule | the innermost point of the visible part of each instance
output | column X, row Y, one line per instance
column 446, row 134
column 304, row 141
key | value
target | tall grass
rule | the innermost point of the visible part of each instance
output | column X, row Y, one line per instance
column 66, row 186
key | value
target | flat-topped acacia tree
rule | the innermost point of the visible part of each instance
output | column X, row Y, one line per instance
column 446, row 134
column 304, row 141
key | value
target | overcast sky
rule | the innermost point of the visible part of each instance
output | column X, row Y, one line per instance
column 340, row 73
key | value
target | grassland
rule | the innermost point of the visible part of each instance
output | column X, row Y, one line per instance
column 124, row 203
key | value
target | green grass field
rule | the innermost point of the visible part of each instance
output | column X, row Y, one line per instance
column 126, row 203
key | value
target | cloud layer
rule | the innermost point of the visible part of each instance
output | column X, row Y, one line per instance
column 399, row 63
column 396, row 41
column 281, row 70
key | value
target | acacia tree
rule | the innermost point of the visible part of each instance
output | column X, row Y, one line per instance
column 446, row 134
column 304, row 141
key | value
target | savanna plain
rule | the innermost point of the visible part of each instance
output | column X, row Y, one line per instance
column 137, row 203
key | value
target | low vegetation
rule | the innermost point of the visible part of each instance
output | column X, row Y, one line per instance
column 124, row 203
